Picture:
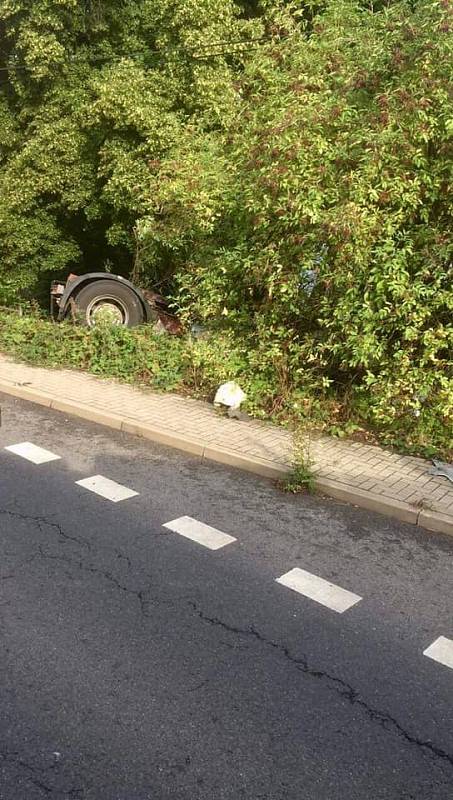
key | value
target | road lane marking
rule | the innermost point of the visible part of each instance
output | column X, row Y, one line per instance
column 106, row 488
column 324, row 592
column 442, row 651
column 199, row 532
column 33, row 453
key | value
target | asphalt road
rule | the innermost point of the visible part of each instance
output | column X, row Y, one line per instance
column 136, row 664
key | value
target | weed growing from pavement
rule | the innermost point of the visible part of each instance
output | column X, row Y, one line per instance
column 301, row 478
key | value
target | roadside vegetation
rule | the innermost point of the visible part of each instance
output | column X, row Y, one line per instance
column 195, row 366
column 281, row 171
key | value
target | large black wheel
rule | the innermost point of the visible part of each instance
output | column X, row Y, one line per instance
column 110, row 302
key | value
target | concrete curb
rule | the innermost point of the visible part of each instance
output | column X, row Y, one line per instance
column 430, row 520
column 373, row 502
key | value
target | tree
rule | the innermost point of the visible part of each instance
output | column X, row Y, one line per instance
column 100, row 92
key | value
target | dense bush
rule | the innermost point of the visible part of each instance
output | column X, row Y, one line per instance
column 337, row 162
column 293, row 194
column 91, row 96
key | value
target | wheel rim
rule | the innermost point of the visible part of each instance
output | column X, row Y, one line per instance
column 107, row 310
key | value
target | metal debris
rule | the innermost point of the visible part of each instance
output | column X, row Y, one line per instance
column 166, row 322
column 442, row 469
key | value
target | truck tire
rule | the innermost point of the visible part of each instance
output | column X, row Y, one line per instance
column 108, row 301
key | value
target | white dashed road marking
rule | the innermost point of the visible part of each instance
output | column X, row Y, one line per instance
column 324, row 592
column 442, row 651
column 33, row 453
column 199, row 532
column 107, row 488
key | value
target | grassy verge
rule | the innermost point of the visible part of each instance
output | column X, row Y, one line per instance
column 196, row 366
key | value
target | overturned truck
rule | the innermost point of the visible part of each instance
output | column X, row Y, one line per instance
column 103, row 297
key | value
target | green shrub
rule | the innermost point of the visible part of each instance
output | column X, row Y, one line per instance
column 196, row 367
column 339, row 171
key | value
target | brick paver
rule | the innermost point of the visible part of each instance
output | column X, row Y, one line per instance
column 352, row 464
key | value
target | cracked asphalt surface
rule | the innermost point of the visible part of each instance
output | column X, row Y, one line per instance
column 136, row 665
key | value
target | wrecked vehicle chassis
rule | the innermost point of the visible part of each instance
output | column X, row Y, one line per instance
column 101, row 296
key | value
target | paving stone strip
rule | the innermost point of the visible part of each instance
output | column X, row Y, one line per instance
column 362, row 474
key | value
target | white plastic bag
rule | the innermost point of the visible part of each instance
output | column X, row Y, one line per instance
column 229, row 394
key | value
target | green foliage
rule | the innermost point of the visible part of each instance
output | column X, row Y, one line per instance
column 92, row 97
column 196, row 367
column 149, row 137
column 131, row 356
column 339, row 162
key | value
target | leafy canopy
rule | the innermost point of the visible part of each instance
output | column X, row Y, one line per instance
column 283, row 169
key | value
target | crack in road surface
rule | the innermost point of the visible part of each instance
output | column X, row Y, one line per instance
column 41, row 521
column 32, row 772
column 145, row 599
column 138, row 593
column 342, row 688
